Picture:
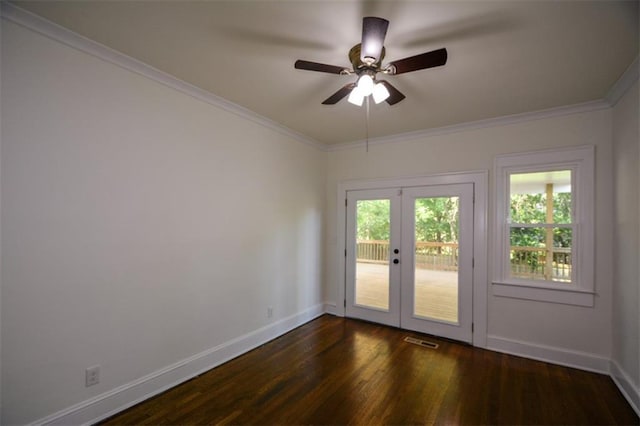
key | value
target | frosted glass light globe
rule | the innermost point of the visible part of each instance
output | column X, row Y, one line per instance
column 365, row 84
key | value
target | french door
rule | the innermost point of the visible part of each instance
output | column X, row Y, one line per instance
column 409, row 257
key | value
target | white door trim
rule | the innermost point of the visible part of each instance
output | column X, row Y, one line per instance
column 480, row 284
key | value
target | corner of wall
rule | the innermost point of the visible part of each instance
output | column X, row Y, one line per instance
column 624, row 83
column 625, row 329
column 625, row 385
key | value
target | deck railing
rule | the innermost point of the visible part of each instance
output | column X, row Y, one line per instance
column 526, row 262
column 531, row 263
column 437, row 256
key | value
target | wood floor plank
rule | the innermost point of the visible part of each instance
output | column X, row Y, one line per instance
column 340, row 371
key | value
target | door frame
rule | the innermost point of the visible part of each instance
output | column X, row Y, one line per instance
column 479, row 179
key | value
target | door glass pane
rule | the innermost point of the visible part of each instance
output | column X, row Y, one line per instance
column 373, row 220
column 436, row 258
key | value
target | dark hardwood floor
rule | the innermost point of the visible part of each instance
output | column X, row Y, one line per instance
column 340, row 371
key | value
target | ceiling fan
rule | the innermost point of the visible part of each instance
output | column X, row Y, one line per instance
column 366, row 58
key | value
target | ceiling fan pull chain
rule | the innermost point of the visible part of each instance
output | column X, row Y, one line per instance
column 367, row 125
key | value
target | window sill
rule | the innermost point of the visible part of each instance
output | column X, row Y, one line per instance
column 544, row 293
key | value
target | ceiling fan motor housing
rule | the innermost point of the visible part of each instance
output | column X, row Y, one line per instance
column 358, row 65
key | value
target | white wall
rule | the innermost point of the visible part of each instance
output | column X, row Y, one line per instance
column 552, row 327
column 140, row 225
column 0, row 226
column 626, row 291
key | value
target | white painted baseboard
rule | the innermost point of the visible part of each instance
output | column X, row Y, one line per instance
column 630, row 391
column 331, row 308
column 560, row 356
column 120, row 398
column 574, row 359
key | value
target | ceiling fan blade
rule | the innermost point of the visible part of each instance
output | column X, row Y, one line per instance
column 395, row 95
column 336, row 97
column 431, row 59
column 315, row 66
column 374, row 30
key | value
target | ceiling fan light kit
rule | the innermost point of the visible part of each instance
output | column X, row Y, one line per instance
column 365, row 84
column 380, row 93
column 356, row 97
column 366, row 60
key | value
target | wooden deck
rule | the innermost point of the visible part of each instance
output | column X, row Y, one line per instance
column 436, row 293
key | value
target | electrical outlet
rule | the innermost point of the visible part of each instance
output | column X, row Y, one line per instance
column 92, row 376
column 269, row 311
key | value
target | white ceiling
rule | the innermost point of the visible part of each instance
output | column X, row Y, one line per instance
column 505, row 57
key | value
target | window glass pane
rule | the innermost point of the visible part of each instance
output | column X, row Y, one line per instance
column 373, row 225
column 562, row 207
column 541, row 253
column 527, row 237
column 541, row 197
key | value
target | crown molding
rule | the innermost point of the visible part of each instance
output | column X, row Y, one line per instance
column 19, row 16
column 33, row 22
column 480, row 124
column 624, row 83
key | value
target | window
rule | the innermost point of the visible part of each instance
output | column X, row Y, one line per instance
column 540, row 226
column 544, row 226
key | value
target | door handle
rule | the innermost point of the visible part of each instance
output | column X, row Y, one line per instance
column 396, row 251
column 396, row 261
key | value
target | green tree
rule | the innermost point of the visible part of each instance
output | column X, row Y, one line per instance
column 373, row 219
column 437, row 219
column 531, row 209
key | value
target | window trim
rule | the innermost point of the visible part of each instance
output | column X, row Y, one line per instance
column 580, row 160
